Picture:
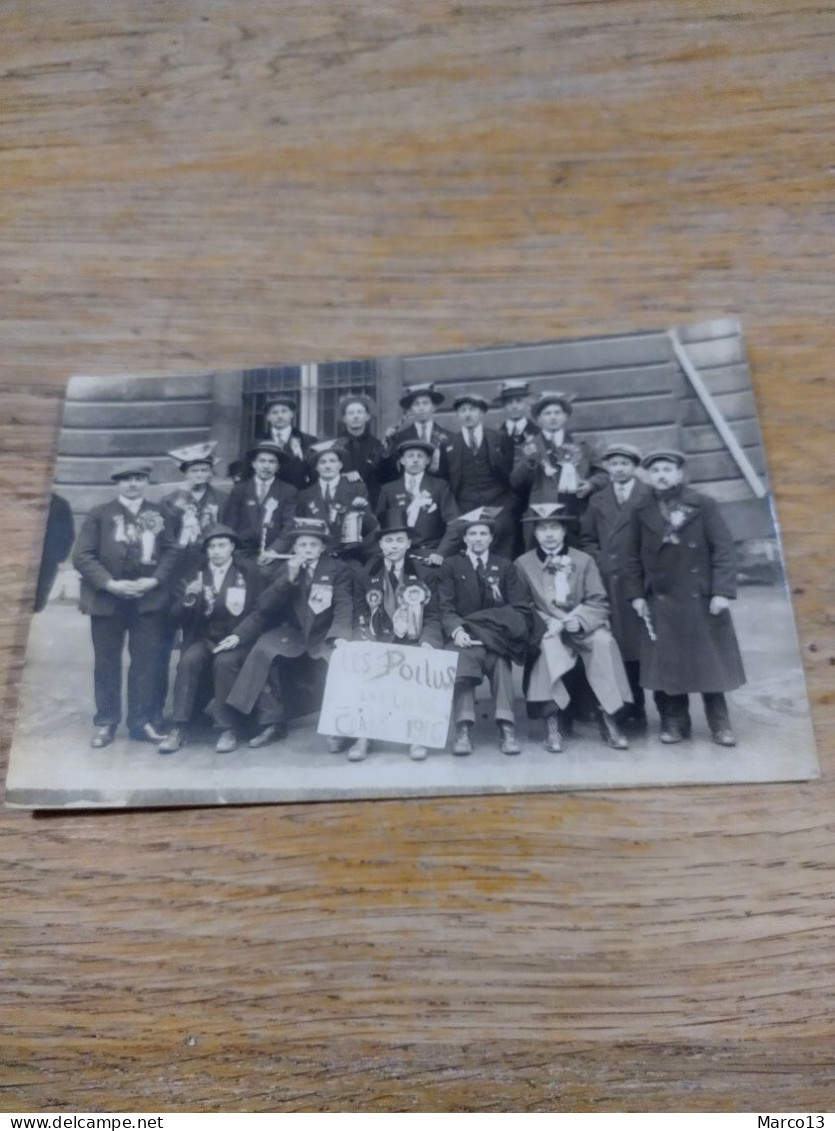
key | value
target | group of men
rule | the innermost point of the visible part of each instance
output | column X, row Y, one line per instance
column 506, row 545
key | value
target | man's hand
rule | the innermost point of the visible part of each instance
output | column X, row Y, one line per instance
column 583, row 489
column 718, row 605
column 426, row 644
column 227, row 644
column 353, row 476
column 145, row 585
column 123, row 588
column 462, row 638
column 572, row 624
column 435, row 560
column 640, row 606
column 194, row 588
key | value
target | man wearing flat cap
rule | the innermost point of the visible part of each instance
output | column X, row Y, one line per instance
column 364, row 452
column 126, row 555
column 679, row 572
column 291, row 442
column 261, row 508
column 419, row 402
column 479, row 469
column 427, row 503
column 603, row 533
column 209, row 605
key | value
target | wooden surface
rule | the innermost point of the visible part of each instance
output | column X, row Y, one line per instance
column 192, row 186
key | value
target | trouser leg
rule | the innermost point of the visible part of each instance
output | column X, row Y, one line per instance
column 633, row 674
column 716, row 711
column 463, row 702
column 226, row 668
column 270, row 706
column 193, row 663
column 674, row 709
column 145, row 635
column 108, row 635
column 501, row 687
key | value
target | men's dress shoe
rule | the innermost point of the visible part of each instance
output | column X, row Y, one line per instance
column 148, row 733
column 553, row 738
column 336, row 744
column 271, row 733
column 508, row 743
column 172, row 741
column 417, row 753
column 359, row 751
column 610, row 732
column 227, row 742
column 636, row 720
column 670, row 734
column 463, row 743
column 724, row 737
column 103, row 736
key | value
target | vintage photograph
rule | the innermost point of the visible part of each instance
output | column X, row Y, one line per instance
column 537, row 567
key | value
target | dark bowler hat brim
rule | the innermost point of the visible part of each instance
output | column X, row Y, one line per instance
column 546, row 399
column 425, row 390
column 135, row 467
column 266, row 446
column 424, row 446
column 508, row 390
column 282, row 399
column 548, row 512
column 628, row 451
column 313, row 527
column 393, row 522
column 220, row 531
column 671, row 454
column 471, row 398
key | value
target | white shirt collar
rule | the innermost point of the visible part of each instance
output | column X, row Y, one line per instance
column 476, row 558
column 329, row 485
column 557, row 437
column 283, row 434
column 624, row 490
column 219, row 573
column 413, row 482
column 263, row 485
column 132, row 505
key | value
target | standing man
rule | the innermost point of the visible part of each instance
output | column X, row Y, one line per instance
column 604, row 530
column 364, row 452
column 210, row 606
column 427, row 503
column 292, row 444
column 514, row 398
column 420, row 402
column 485, row 614
column 126, row 555
column 57, row 544
column 261, row 508
column 197, row 504
column 479, row 470
column 339, row 502
column 680, row 575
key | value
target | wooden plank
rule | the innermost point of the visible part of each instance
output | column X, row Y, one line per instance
column 725, row 379
column 705, row 438
column 722, row 465
column 128, row 414
column 585, row 386
column 128, row 388
column 726, row 490
column 88, row 442
column 733, row 406
column 82, row 497
column 96, row 470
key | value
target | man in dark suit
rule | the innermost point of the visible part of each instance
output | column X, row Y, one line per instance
column 514, row 398
column 478, row 583
column 397, row 603
column 126, row 555
column 292, row 444
column 263, row 507
column 603, row 534
column 427, row 502
column 303, row 615
column 196, row 505
column 419, row 402
column 365, row 454
column 679, row 572
column 210, row 605
column 479, row 469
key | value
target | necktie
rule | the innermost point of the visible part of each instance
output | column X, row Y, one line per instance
column 471, row 440
column 261, row 488
column 393, row 578
column 620, row 491
column 424, row 432
column 480, row 571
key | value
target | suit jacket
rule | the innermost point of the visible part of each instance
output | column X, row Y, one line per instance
column 440, row 438
column 293, row 469
column 366, row 454
column 244, row 514
column 375, row 594
column 112, row 546
column 212, row 616
column 527, row 471
column 460, row 593
column 304, row 625
column 517, row 441
column 605, row 525
column 311, row 504
column 431, row 532
column 181, row 502
column 498, row 459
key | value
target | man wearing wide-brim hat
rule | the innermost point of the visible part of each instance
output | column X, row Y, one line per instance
column 426, row 501
column 569, row 598
column 292, row 443
column 365, row 453
column 126, row 555
column 556, row 466
column 303, row 614
column 419, row 403
column 262, row 507
column 603, row 532
column 514, row 398
column 679, row 572
column 210, row 604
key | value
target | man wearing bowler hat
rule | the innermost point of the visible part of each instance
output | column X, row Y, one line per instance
column 261, row 508
column 427, row 503
column 126, row 555
column 419, row 402
column 603, row 533
column 364, row 452
column 210, row 605
column 292, row 444
column 679, row 571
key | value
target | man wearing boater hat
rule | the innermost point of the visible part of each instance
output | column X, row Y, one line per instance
column 427, row 503
column 565, row 589
column 396, row 603
column 261, row 508
column 292, row 444
column 210, row 605
column 126, row 555
column 302, row 616
column 679, row 572
column 419, row 402
column 603, row 533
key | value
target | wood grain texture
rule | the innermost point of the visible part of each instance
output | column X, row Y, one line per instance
column 193, row 186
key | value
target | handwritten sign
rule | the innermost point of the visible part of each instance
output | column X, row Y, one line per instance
column 389, row 691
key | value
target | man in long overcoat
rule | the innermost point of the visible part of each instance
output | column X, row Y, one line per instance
column 680, row 574
column 126, row 555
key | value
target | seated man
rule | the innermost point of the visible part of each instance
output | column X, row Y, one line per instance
column 304, row 614
column 397, row 604
column 484, row 614
column 565, row 589
column 210, row 607
column 427, row 502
